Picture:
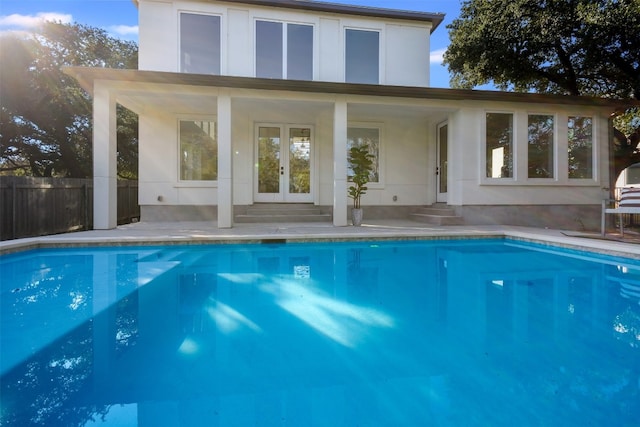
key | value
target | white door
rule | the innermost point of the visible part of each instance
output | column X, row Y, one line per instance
column 284, row 163
column 442, row 159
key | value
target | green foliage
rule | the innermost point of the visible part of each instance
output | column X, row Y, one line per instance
column 577, row 47
column 361, row 164
column 45, row 117
column 269, row 161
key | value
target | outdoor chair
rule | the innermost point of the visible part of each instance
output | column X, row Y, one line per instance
column 629, row 203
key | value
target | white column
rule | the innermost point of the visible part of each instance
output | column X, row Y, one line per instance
column 225, row 159
column 340, row 163
column 105, row 209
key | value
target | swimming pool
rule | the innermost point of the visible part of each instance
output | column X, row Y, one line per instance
column 443, row 333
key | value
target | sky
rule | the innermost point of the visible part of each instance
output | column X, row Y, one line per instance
column 120, row 19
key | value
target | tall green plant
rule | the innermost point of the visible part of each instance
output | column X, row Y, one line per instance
column 361, row 164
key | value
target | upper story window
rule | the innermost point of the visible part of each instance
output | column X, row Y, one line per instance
column 284, row 50
column 541, row 146
column 362, row 56
column 580, row 139
column 199, row 43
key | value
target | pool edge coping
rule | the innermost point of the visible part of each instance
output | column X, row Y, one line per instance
column 539, row 236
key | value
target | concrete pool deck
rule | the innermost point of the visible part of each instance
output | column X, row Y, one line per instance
column 208, row 232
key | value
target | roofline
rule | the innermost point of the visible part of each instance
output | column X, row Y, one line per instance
column 87, row 75
column 319, row 6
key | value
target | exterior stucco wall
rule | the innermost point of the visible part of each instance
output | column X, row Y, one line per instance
column 404, row 47
column 157, row 41
column 407, row 156
column 406, row 167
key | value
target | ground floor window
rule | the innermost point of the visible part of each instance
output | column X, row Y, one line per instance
column 358, row 136
column 541, row 146
column 499, row 145
column 542, row 152
column 198, row 151
column 580, row 140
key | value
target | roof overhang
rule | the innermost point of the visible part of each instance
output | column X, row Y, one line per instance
column 86, row 77
column 345, row 9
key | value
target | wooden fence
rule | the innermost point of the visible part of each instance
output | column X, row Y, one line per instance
column 41, row 206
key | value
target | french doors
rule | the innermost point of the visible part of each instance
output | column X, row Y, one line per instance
column 284, row 165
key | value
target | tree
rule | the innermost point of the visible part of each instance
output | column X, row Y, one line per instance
column 45, row 117
column 573, row 47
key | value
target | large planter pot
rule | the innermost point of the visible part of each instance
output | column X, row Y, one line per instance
column 356, row 217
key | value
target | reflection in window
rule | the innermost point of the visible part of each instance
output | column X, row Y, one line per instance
column 199, row 44
column 269, row 49
column 580, row 139
column 299, row 52
column 198, row 151
column 499, row 143
column 362, row 56
column 540, row 138
column 299, row 160
column 271, row 39
column 269, row 160
column 361, row 136
column 443, row 158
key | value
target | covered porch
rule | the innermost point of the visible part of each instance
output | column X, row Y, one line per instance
column 243, row 109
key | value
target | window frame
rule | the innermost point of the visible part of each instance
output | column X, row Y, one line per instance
column 560, row 150
column 346, row 56
column 554, row 150
column 514, row 150
column 285, row 46
column 220, row 40
column 381, row 162
column 196, row 182
column 594, row 151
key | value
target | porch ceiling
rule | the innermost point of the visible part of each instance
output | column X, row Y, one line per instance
column 175, row 102
column 276, row 109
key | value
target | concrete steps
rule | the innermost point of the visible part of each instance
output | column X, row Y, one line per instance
column 437, row 214
column 282, row 212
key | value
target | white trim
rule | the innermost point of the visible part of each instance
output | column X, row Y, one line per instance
column 442, row 197
column 484, row 179
column 285, row 42
column 223, row 39
column 520, row 145
column 195, row 183
column 554, row 150
column 381, row 51
column 594, row 150
column 283, row 196
column 381, row 150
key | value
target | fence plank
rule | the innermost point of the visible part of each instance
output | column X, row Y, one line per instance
column 40, row 206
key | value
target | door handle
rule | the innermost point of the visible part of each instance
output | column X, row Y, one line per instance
column 437, row 170
column 281, row 170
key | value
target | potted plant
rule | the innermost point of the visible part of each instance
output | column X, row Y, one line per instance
column 361, row 164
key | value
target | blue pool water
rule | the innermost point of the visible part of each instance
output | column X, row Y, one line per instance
column 446, row 333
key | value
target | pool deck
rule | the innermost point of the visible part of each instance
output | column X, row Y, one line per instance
column 208, row 232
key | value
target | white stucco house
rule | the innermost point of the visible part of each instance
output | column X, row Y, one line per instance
column 256, row 102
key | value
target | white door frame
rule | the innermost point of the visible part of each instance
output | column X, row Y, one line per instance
column 284, row 196
column 442, row 156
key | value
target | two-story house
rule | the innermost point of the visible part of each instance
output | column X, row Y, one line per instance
column 257, row 101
